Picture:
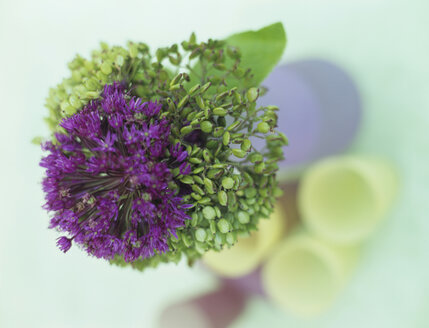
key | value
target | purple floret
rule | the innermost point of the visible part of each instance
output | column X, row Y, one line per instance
column 108, row 178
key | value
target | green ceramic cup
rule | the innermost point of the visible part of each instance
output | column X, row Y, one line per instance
column 305, row 274
column 343, row 199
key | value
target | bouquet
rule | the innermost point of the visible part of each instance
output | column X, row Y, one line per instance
column 153, row 156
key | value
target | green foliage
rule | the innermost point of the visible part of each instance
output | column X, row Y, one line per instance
column 260, row 50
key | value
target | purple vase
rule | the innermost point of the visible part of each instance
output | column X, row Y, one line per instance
column 216, row 309
column 320, row 111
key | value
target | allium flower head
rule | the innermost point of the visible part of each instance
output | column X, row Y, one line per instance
column 109, row 178
column 150, row 161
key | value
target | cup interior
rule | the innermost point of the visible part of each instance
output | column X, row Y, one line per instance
column 339, row 203
column 301, row 279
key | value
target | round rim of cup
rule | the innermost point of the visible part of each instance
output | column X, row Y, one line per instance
column 303, row 276
column 338, row 201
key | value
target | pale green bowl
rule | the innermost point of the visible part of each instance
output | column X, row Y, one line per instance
column 304, row 275
column 343, row 199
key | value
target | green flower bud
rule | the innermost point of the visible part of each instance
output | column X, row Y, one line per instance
column 285, row 140
column 92, row 84
column 221, row 96
column 175, row 60
column 218, row 131
column 263, row 192
column 226, row 138
column 246, row 145
column 200, row 235
column 230, row 238
column 209, row 185
column 233, row 52
column 175, row 87
column 194, row 89
column 119, row 60
column 207, row 156
column 263, row 127
column 266, row 212
column 219, row 240
column 259, row 168
column 212, row 225
column 250, row 192
column 248, row 178
column 192, row 38
column 206, row 126
column 223, row 226
column 195, row 122
column 271, row 107
column 187, row 179
column 209, row 212
column 237, row 180
column 198, row 170
column 92, row 95
column 183, row 102
column 176, row 79
column 252, row 94
column 214, row 173
column 195, row 160
column 255, row 158
column 243, row 217
column 237, row 98
column 218, row 212
column 204, row 201
column 234, row 125
column 239, row 153
column 219, row 165
column 200, row 102
column 74, row 101
column 195, row 219
column 223, row 198
column 200, row 248
column 186, row 130
column 243, row 204
column 106, row 68
column 220, row 111
column 198, row 189
column 133, row 50
column 232, row 198
column 220, row 67
column 227, row 183
column 205, row 87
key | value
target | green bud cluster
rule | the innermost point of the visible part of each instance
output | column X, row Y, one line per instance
column 203, row 89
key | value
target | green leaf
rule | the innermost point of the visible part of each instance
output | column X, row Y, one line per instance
column 260, row 50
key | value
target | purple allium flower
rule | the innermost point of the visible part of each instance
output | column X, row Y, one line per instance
column 109, row 176
column 64, row 243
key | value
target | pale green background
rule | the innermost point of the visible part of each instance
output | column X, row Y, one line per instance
column 383, row 43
